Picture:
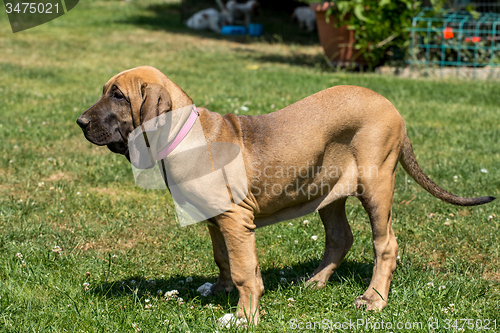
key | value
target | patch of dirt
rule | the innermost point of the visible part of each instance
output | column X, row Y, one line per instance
column 110, row 245
column 492, row 276
column 106, row 191
column 59, row 176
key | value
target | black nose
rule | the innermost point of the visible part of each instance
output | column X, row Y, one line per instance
column 82, row 122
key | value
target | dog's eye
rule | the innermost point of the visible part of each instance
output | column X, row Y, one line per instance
column 118, row 95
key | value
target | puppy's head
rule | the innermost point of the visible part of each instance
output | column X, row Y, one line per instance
column 129, row 99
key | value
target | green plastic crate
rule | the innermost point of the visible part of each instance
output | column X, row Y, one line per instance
column 455, row 38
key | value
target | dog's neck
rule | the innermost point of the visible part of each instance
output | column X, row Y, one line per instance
column 181, row 135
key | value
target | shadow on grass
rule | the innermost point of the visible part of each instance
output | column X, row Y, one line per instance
column 138, row 287
column 278, row 26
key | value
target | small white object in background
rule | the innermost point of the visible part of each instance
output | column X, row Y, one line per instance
column 204, row 290
column 206, row 19
column 230, row 320
column 305, row 17
column 239, row 13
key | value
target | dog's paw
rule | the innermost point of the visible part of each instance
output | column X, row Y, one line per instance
column 206, row 289
column 369, row 305
column 230, row 320
column 360, row 303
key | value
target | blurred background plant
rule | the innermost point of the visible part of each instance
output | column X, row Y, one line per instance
column 383, row 28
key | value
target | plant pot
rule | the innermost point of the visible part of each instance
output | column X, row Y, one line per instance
column 338, row 43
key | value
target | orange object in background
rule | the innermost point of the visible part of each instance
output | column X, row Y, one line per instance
column 448, row 33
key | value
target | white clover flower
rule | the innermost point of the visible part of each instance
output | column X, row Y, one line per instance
column 305, row 223
column 283, row 280
column 85, row 286
column 57, row 249
column 172, row 293
column 290, row 224
column 290, row 299
column 314, row 238
column 19, row 256
column 442, row 287
column 279, row 236
column 78, row 193
column 296, row 241
column 189, row 279
column 484, row 170
column 430, row 284
column 244, row 108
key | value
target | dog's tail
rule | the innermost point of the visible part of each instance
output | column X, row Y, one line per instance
column 409, row 163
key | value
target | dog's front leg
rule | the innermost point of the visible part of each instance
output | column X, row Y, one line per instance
column 238, row 230
column 224, row 281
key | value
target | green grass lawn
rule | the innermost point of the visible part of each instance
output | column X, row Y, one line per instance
column 82, row 249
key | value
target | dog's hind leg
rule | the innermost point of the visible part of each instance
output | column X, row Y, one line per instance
column 377, row 200
column 338, row 241
column 224, row 281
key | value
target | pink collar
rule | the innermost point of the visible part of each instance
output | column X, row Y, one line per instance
column 180, row 136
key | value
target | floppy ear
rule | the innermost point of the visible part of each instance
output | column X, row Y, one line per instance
column 155, row 101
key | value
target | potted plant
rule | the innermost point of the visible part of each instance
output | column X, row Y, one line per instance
column 338, row 42
column 370, row 32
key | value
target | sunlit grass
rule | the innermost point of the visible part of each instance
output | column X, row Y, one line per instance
column 56, row 189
